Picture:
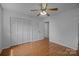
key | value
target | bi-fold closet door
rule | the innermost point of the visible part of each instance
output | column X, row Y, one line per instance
column 25, row 30
column 20, row 31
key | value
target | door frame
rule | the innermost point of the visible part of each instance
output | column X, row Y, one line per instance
column 48, row 27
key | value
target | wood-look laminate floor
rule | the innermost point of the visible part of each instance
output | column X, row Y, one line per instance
column 39, row 48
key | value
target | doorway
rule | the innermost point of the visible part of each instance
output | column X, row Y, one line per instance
column 46, row 33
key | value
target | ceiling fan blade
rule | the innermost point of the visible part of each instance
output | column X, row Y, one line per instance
column 38, row 14
column 53, row 9
column 34, row 10
column 47, row 14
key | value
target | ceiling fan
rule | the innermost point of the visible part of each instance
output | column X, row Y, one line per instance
column 44, row 10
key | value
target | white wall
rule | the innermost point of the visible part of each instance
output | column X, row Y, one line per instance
column 6, row 42
column 1, row 27
column 64, row 28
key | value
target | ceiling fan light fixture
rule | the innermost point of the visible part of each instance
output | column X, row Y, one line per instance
column 43, row 13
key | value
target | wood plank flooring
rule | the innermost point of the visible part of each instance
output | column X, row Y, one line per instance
column 58, row 50
column 39, row 48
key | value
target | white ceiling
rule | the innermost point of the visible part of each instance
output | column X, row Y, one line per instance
column 26, row 7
